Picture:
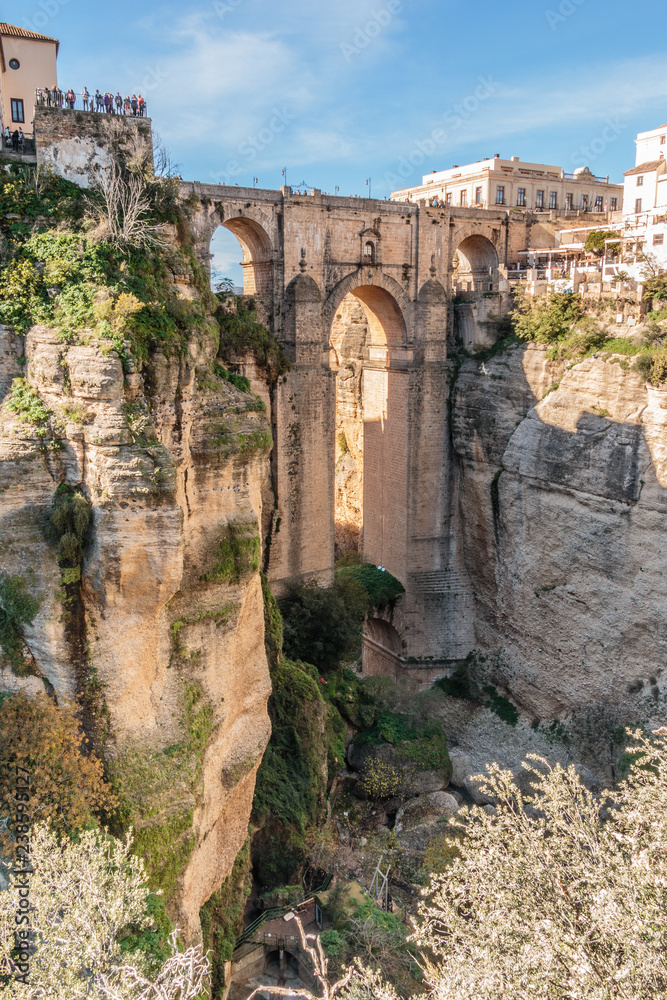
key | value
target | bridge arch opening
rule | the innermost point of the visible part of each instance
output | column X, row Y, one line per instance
column 255, row 269
column 475, row 265
column 367, row 341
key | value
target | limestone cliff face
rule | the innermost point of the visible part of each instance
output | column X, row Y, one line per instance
column 167, row 628
column 562, row 512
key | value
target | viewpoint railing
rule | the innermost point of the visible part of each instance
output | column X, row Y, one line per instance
column 279, row 911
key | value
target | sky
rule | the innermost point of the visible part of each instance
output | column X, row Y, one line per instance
column 340, row 93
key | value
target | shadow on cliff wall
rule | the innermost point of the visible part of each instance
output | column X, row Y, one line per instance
column 562, row 505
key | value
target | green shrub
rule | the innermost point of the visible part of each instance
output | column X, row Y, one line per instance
column 547, row 319
column 240, row 332
column 27, row 404
column 382, row 588
column 332, row 942
column 458, row 685
column 319, row 627
column 656, row 288
column 239, row 382
column 17, row 609
column 237, row 554
column 68, row 523
column 652, row 365
column 503, row 708
column 291, row 779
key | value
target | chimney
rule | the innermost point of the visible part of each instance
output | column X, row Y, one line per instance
column 496, row 156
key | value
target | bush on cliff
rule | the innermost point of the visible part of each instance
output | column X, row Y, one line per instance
column 291, row 780
column 46, row 742
column 241, row 333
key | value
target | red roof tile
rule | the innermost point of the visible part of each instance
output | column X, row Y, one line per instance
column 13, row 31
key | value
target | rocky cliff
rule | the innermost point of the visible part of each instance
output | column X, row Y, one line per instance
column 160, row 628
column 562, row 486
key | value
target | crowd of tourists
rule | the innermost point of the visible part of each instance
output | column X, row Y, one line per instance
column 104, row 103
column 14, row 140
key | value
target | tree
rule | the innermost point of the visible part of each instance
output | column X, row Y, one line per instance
column 67, row 784
column 566, row 900
column 596, row 242
column 82, row 897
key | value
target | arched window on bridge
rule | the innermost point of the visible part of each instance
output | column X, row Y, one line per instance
column 369, row 252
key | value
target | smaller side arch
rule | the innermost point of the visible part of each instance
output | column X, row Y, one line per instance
column 382, row 649
column 303, row 312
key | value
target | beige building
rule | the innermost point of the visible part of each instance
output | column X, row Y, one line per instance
column 27, row 61
column 514, row 183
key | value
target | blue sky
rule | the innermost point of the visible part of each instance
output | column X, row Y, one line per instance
column 339, row 92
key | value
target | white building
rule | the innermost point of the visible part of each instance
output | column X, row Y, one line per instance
column 514, row 183
column 645, row 201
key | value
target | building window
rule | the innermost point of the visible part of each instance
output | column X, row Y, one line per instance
column 464, row 198
column 369, row 252
column 539, row 199
column 521, row 198
column 584, row 202
column 448, row 198
column 478, row 196
column 614, row 204
column 640, row 181
column 638, row 204
column 599, row 203
column 500, row 194
column 662, row 137
column 569, row 202
column 14, row 64
column 658, row 239
column 17, row 111
column 553, row 199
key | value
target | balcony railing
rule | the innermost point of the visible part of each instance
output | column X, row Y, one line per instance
column 129, row 105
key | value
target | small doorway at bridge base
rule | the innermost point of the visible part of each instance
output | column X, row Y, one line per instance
column 382, row 649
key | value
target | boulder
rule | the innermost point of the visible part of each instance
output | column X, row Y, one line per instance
column 462, row 766
column 425, row 810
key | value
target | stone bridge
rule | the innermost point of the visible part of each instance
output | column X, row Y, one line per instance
column 360, row 293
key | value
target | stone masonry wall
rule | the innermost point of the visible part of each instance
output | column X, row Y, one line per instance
column 80, row 145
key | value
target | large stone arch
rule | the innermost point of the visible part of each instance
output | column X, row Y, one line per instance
column 380, row 422
column 365, row 288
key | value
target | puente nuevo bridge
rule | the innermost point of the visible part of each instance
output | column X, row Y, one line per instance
column 306, row 260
